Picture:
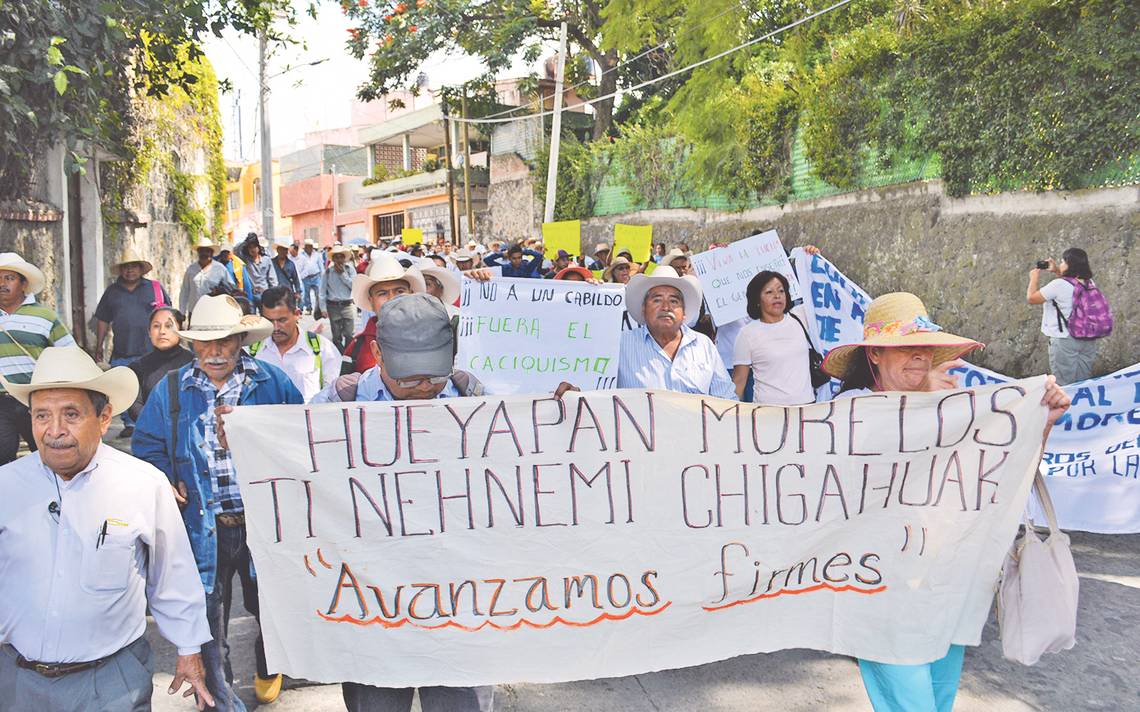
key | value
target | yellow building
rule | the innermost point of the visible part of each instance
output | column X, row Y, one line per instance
column 243, row 202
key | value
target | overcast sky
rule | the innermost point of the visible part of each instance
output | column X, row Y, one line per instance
column 307, row 98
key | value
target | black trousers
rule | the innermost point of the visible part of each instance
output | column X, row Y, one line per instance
column 15, row 423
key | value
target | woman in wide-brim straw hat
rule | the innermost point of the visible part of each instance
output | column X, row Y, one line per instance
column 903, row 350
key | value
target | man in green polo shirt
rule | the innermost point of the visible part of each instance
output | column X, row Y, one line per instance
column 26, row 329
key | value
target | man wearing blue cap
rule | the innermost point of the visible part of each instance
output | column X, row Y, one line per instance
column 414, row 349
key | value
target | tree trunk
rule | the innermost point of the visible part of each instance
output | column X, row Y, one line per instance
column 604, row 110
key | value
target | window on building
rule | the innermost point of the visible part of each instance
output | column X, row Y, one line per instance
column 234, row 197
column 389, row 226
column 313, row 233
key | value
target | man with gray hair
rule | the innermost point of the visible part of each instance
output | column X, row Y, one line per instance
column 90, row 539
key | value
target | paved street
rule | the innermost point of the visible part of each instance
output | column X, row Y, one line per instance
column 1099, row 674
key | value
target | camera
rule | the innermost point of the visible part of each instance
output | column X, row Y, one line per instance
column 1042, row 264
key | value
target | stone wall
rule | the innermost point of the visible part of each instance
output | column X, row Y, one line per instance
column 514, row 213
column 38, row 238
column 967, row 258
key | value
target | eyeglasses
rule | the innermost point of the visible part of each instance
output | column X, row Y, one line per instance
column 415, row 382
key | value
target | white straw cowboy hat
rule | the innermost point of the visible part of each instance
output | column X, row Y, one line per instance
column 445, row 276
column 216, row 317
column 674, row 254
column 340, row 250
column 14, row 263
column 129, row 257
column 207, row 243
column 384, row 268
column 640, row 284
column 601, row 247
column 71, row 367
column 898, row 319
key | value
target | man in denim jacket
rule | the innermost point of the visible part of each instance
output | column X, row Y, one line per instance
column 179, row 432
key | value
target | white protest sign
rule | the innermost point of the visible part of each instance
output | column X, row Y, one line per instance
column 724, row 273
column 529, row 335
column 834, row 306
column 476, row 541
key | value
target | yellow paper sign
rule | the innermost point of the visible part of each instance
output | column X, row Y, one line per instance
column 649, row 267
column 597, row 273
column 412, row 236
column 638, row 238
column 565, row 235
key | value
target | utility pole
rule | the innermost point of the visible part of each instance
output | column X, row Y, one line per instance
column 467, row 172
column 556, row 128
column 266, row 144
column 452, row 220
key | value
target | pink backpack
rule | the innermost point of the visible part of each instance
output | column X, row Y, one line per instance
column 1091, row 317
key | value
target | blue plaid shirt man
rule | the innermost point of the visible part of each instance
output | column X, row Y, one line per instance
column 227, row 496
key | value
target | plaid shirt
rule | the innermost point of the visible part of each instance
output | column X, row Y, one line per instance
column 227, row 496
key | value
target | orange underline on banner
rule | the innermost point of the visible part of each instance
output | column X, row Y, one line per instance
column 376, row 620
column 819, row 587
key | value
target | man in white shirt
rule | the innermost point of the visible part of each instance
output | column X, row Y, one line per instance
column 90, row 537
column 310, row 360
column 309, row 266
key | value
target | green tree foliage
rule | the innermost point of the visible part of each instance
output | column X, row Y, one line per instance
column 396, row 37
column 69, row 69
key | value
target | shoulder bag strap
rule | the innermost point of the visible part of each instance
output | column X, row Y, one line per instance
column 174, row 406
column 804, row 329
column 17, row 343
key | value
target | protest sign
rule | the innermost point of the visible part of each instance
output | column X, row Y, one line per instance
column 725, row 272
column 412, row 236
column 1092, row 458
column 833, row 305
column 529, row 335
column 564, row 235
column 638, row 238
column 501, row 539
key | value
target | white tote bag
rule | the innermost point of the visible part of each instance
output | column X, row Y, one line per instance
column 1037, row 595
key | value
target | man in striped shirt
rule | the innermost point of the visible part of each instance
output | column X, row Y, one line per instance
column 26, row 329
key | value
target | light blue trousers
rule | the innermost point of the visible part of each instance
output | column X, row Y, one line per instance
column 930, row 687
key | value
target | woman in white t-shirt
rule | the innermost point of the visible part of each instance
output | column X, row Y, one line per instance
column 774, row 346
column 1070, row 360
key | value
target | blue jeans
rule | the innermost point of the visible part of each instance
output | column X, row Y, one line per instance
column 310, row 285
column 128, row 421
column 233, row 558
column 930, row 687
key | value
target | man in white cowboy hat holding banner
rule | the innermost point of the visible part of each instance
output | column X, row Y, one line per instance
column 125, row 309
column 26, row 329
column 179, row 432
column 90, row 539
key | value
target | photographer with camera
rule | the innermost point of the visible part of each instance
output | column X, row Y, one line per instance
column 1075, row 314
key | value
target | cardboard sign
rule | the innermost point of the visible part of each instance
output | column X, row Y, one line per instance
column 565, row 235
column 638, row 238
column 725, row 272
column 529, row 335
column 412, row 236
column 491, row 540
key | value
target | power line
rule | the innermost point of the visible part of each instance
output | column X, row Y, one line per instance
column 625, row 62
column 663, row 77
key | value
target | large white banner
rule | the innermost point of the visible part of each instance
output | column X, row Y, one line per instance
column 1092, row 459
column 529, row 335
column 490, row 540
column 724, row 273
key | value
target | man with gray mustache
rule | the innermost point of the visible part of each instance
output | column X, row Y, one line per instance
column 179, row 432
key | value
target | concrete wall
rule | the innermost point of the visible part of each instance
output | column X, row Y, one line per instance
column 968, row 258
